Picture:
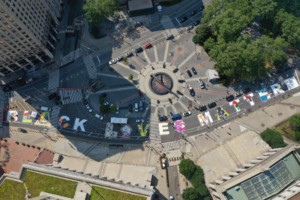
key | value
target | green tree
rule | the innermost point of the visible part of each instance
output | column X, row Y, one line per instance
column 197, row 178
column 105, row 108
column 187, row 168
column 203, row 191
column 190, row 194
column 297, row 135
column 130, row 77
column 295, row 122
column 95, row 9
column 273, row 138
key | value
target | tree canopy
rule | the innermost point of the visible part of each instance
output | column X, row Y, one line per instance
column 187, row 168
column 273, row 138
column 95, row 9
column 249, row 38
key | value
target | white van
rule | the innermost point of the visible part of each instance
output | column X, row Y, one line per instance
column 136, row 107
column 44, row 108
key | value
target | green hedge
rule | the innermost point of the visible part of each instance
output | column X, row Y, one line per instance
column 273, row 138
column 195, row 174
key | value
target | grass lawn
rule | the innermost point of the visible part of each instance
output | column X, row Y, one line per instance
column 36, row 183
column 12, row 190
column 99, row 193
column 285, row 129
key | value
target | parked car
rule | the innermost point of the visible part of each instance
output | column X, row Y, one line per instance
column 89, row 108
column 170, row 37
column 147, row 46
column 190, row 27
column 163, row 118
column 130, row 107
column 113, row 61
column 194, row 12
column 187, row 113
column 139, row 50
column 182, row 19
column 175, row 70
column 129, row 54
column 192, row 91
column 176, row 117
column 136, row 107
column 246, row 90
column 120, row 58
column 212, row 105
column 202, row 108
column 85, row 102
column 230, row 98
column 99, row 116
column 194, row 71
column 189, row 73
column 202, row 84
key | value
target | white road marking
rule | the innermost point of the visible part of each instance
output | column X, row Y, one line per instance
column 147, row 58
column 155, row 54
column 187, row 59
column 166, row 51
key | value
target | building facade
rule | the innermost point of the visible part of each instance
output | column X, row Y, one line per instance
column 27, row 33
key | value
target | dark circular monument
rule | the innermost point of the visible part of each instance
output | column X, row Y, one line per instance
column 161, row 83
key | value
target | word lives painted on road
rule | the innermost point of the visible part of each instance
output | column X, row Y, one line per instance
column 28, row 117
column 64, row 122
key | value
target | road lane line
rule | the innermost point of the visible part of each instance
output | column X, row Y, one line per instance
column 147, row 58
column 166, row 51
column 187, row 59
column 155, row 54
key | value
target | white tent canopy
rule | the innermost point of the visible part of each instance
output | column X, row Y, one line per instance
column 291, row 83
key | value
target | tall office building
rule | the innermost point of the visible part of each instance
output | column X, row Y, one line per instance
column 27, row 33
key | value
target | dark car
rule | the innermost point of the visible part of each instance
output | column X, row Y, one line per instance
column 52, row 96
column 130, row 107
column 163, row 118
column 194, row 12
column 170, row 37
column 189, row 73
column 139, row 50
column 202, row 108
column 230, row 98
column 6, row 88
column 212, row 105
column 194, row 71
column 175, row 70
column 147, row 46
column 85, row 102
column 129, row 54
column 192, row 91
column 246, row 90
column 182, row 19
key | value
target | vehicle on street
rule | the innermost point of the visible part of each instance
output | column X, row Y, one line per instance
column 201, row 84
column 229, row 98
column 189, row 73
column 120, row 58
column 139, row 120
column 130, row 107
column 147, row 46
column 29, row 80
column 163, row 118
column 138, row 50
column 192, row 91
column 169, row 37
column 202, row 108
column 129, row 54
column 89, row 108
column 141, row 105
column 176, row 117
column 194, row 12
column 85, row 102
column 175, row 70
column 117, row 109
column 113, row 61
column 194, row 71
column 136, row 107
column 182, row 19
column 99, row 116
column 246, row 90
column 211, row 105
column 190, row 27
column 187, row 113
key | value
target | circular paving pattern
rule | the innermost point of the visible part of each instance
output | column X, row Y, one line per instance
column 161, row 83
